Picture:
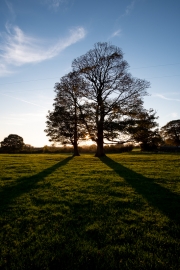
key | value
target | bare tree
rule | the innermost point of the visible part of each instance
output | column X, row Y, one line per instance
column 111, row 90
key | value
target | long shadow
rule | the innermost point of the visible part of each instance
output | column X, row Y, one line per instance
column 159, row 197
column 25, row 184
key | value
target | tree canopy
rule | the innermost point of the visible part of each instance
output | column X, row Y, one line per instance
column 64, row 123
column 144, row 129
column 111, row 91
column 171, row 132
column 12, row 144
column 96, row 99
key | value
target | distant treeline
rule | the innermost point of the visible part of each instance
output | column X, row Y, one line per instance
column 69, row 149
column 84, row 149
column 118, row 148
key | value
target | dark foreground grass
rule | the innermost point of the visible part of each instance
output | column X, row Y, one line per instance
column 117, row 212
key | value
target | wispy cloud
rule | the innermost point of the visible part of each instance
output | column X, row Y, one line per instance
column 18, row 48
column 163, row 97
column 54, row 4
column 129, row 8
column 23, row 119
column 25, row 101
column 10, row 8
column 116, row 33
column 4, row 70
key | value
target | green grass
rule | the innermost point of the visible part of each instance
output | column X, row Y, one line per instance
column 118, row 212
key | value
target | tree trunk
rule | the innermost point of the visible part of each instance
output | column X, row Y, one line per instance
column 100, row 143
column 100, row 127
column 100, row 150
column 76, row 151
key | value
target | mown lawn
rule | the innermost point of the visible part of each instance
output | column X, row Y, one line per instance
column 118, row 212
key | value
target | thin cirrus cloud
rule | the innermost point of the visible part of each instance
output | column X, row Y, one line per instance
column 116, row 33
column 163, row 97
column 129, row 8
column 22, row 119
column 53, row 4
column 10, row 8
column 4, row 69
column 17, row 48
column 25, row 101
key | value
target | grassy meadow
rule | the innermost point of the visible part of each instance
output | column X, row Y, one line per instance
column 117, row 212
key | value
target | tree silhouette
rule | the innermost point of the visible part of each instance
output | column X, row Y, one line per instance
column 12, row 144
column 64, row 123
column 171, row 132
column 143, row 129
column 111, row 90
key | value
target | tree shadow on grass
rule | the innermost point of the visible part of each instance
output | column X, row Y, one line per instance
column 159, row 197
column 25, row 184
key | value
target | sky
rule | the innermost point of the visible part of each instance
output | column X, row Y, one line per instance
column 39, row 39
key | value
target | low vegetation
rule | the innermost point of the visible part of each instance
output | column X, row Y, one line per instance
column 118, row 148
column 121, row 211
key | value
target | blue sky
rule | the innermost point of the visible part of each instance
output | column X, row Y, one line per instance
column 39, row 39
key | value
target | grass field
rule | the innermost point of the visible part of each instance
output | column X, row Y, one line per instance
column 118, row 212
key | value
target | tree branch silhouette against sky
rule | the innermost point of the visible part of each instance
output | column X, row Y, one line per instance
column 39, row 39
